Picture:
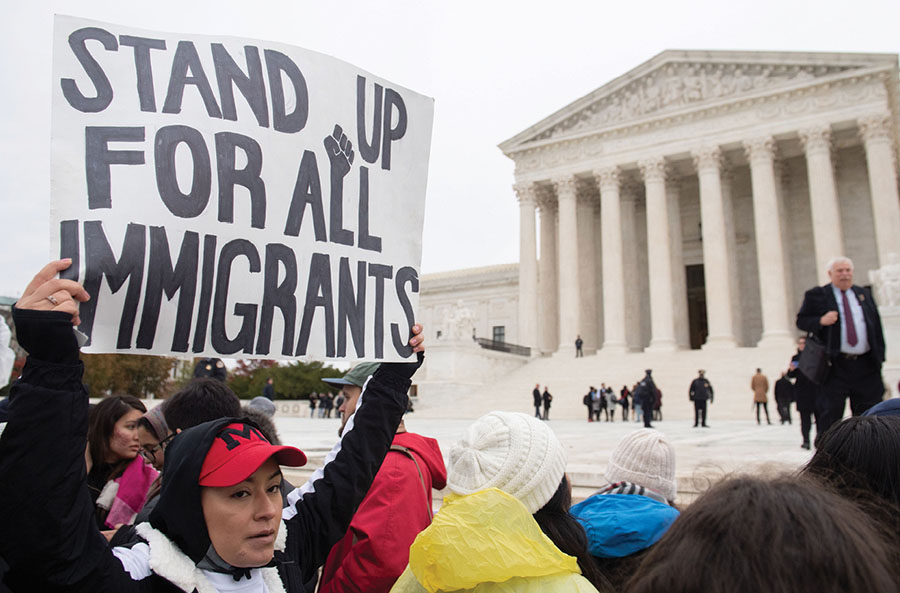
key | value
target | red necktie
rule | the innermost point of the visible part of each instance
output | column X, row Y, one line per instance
column 848, row 316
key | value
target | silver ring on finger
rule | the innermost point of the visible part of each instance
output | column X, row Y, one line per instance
column 53, row 300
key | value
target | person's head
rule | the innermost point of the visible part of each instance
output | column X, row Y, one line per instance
column 520, row 455
column 648, row 371
column 801, row 343
column 262, row 404
column 351, row 386
column 201, row 400
column 153, row 436
column 858, row 455
column 269, row 380
column 840, row 272
column 782, row 535
column 645, row 458
column 758, row 371
column 221, row 490
column 701, row 372
column 889, row 407
column 513, row 452
column 263, row 421
column 112, row 429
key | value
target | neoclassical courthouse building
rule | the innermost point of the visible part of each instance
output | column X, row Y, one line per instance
column 689, row 203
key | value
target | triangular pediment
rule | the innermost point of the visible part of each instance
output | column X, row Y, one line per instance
column 676, row 80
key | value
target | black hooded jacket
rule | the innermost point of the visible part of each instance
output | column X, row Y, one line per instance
column 51, row 542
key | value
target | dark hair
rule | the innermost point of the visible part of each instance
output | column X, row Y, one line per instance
column 201, row 400
column 860, row 454
column 263, row 422
column 567, row 533
column 785, row 535
column 101, row 423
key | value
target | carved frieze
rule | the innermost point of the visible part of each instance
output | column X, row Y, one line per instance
column 673, row 86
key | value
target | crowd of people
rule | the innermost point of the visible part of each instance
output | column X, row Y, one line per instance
column 643, row 395
column 197, row 500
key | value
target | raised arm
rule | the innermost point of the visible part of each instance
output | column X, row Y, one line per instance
column 320, row 511
column 51, row 539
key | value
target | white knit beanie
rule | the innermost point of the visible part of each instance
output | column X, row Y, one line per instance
column 647, row 459
column 513, row 452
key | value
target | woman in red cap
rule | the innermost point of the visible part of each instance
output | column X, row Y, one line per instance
column 219, row 524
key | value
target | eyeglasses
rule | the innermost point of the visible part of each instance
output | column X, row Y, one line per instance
column 149, row 453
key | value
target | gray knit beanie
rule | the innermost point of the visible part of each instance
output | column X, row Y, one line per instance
column 513, row 452
column 647, row 459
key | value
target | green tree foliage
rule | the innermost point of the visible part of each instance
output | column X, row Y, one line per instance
column 292, row 381
column 140, row 376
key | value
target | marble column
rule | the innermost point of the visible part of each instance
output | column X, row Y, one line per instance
column 635, row 282
column 548, row 323
column 608, row 180
column 716, row 264
column 828, row 238
column 875, row 131
column 569, row 289
column 528, row 278
column 587, row 267
column 659, row 256
column 769, row 247
column 679, row 281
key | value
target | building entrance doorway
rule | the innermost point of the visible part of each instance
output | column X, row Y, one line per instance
column 696, row 301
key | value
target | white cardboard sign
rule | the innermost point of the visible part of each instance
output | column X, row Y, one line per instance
column 233, row 197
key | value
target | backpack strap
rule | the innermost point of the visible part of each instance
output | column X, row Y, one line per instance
column 405, row 451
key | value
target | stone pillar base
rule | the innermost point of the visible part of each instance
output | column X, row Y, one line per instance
column 566, row 350
column 780, row 340
column 615, row 347
column 662, row 346
column 719, row 343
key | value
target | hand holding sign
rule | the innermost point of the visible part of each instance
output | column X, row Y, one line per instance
column 46, row 292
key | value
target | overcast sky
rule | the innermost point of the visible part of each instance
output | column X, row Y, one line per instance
column 493, row 67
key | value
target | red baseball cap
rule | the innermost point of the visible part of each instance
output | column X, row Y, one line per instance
column 238, row 451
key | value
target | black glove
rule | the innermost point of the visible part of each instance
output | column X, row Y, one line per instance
column 393, row 371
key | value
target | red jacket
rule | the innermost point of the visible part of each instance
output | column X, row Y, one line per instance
column 375, row 550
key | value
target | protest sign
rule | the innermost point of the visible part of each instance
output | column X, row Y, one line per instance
column 233, row 197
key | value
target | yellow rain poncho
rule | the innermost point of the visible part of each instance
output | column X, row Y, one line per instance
column 488, row 542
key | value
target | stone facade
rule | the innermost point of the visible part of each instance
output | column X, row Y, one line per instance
column 691, row 201
column 454, row 306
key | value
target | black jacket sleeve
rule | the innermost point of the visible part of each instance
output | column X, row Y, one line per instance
column 815, row 304
column 323, row 507
column 50, row 540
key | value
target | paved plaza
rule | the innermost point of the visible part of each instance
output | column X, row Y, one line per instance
column 702, row 455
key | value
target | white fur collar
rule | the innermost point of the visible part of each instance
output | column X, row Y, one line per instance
column 168, row 561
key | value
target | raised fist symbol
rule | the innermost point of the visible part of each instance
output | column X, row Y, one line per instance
column 340, row 152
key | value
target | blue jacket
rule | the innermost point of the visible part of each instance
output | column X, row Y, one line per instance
column 618, row 525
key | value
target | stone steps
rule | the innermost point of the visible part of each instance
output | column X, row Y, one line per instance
column 728, row 370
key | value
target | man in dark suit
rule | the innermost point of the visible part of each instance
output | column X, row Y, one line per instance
column 700, row 392
column 805, row 393
column 845, row 318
